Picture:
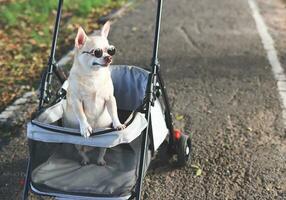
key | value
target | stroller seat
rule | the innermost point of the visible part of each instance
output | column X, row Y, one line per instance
column 56, row 163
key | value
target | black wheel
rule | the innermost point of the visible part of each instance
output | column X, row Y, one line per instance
column 184, row 150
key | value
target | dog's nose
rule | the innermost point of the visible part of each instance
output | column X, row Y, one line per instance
column 108, row 59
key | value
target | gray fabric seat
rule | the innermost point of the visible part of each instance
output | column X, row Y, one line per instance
column 56, row 167
column 63, row 171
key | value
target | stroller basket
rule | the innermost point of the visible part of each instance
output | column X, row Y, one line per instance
column 55, row 164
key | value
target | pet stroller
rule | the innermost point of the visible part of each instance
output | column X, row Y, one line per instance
column 54, row 167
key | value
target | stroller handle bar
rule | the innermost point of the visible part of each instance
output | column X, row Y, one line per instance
column 47, row 76
column 155, row 61
column 52, row 65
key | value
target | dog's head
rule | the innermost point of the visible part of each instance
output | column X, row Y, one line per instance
column 94, row 52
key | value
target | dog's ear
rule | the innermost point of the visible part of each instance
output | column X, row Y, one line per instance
column 105, row 29
column 80, row 38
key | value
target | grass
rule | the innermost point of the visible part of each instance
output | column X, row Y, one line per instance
column 36, row 11
column 25, row 37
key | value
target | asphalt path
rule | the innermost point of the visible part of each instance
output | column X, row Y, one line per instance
column 219, row 78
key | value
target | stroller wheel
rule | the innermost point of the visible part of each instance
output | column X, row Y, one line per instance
column 184, row 150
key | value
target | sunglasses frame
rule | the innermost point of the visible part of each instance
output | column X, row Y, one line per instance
column 111, row 50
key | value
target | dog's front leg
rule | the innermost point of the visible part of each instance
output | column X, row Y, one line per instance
column 100, row 159
column 85, row 128
column 82, row 150
column 112, row 110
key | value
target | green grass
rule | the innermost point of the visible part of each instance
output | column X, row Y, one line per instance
column 37, row 11
column 37, row 16
column 29, row 10
column 86, row 6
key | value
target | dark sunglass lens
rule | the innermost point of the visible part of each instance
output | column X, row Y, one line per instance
column 111, row 50
column 97, row 53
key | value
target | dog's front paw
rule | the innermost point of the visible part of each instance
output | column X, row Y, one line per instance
column 101, row 162
column 119, row 126
column 85, row 161
column 85, row 129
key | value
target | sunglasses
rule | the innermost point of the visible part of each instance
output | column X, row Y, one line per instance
column 99, row 52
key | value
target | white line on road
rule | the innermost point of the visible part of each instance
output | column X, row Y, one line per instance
column 269, row 46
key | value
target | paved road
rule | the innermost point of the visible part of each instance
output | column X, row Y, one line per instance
column 217, row 73
column 219, row 79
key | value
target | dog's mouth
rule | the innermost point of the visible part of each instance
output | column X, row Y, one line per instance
column 103, row 65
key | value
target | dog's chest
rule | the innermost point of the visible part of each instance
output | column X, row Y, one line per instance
column 94, row 89
column 94, row 94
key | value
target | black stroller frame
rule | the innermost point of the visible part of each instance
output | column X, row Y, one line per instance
column 177, row 141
